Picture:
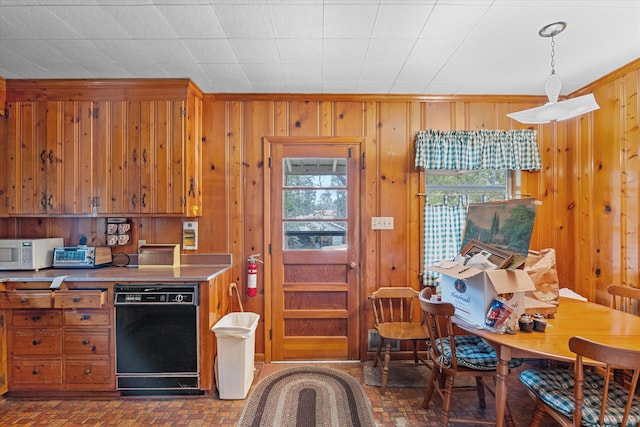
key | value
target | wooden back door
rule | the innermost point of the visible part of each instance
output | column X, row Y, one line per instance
column 314, row 228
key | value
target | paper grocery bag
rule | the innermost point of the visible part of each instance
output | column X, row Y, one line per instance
column 541, row 266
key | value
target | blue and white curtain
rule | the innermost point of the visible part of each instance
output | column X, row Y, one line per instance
column 465, row 150
column 442, row 234
column 478, row 149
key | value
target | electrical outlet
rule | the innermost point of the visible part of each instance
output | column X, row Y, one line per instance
column 190, row 235
column 382, row 223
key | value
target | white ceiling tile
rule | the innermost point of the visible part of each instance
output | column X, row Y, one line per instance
column 299, row 21
column 389, row 50
column 466, row 46
column 141, row 22
column 344, row 50
column 242, row 21
column 224, row 73
column 401, row 20
column 193, row 21
column 261, row 51
column 213, row 51
column 89, row 21
column 296, row 51
column 349, row 20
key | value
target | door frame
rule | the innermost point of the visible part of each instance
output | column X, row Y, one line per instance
column 360, row 288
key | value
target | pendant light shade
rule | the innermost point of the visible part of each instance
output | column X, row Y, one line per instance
column 554, row 110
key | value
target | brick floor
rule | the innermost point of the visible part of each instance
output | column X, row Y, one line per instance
column 399, row 407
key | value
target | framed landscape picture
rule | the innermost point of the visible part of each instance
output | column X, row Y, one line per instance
column 506, row 224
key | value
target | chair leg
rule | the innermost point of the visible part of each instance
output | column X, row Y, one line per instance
column 538, row 414
column 378, row 350
column 385, row 367
column 480, row 390
column 428, row 394
column 446, row 402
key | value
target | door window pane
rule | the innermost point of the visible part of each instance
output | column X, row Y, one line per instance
column 314, row 203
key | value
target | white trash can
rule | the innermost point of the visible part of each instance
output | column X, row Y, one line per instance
column 236, row 336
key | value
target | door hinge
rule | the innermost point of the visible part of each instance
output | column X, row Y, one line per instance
column 183, row 112
column 94, row 113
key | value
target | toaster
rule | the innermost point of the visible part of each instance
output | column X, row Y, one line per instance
column 81, row 257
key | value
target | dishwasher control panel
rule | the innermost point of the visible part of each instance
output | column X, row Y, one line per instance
column 156, row 294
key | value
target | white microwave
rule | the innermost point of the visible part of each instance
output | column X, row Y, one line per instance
column 28, row 254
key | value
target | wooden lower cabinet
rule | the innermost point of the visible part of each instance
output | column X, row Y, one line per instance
column 61, row 350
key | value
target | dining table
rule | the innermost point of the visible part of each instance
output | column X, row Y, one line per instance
column 573, row 317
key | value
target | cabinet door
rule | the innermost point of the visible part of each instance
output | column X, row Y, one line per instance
column 3, row 354
column 192, row 156
column 26, row 166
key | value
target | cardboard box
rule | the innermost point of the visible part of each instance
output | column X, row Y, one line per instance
column 471, row 291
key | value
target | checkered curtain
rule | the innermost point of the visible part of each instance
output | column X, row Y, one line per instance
column 478, row 149
column 465, row 150
column 442, row 234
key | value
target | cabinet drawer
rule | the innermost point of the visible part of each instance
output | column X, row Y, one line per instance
column 37, row 372
column 86, row 342
column 80, row 298
column 87, row 317
column 25, row 299
column 35, row 318
column 36, row 342
column 89, row 371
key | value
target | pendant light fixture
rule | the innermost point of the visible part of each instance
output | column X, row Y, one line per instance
column 554, row 110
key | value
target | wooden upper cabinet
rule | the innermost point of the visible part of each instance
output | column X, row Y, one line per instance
column 122, row 147
column 34, row 162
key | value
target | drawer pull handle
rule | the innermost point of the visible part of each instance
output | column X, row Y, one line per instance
column 35, row 318
column 85, row 342
column 24, row 300
column 87, row 371
column 86, row 317
column 36, row 342
column 35, row 371
column 76, row 299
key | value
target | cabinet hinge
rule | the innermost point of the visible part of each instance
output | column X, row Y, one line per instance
column 269, row 248
column 269, row 162
column 183, row 201
column 6, row 113
column 183, row 112
column 94, row 113
column 364, row 164
column 1, row 321
column 3, row 380
column 350, row 152
column 270, row 334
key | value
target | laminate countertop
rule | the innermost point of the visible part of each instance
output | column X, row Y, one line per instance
column 184, row 273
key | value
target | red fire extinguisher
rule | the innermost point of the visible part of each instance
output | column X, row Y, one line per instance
column 252, row 275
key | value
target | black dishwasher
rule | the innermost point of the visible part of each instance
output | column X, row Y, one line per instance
column 157, row 345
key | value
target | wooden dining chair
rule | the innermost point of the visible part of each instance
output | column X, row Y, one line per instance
column 587, row 397
column 624, row 298
column 393, row 311
column 456, row 356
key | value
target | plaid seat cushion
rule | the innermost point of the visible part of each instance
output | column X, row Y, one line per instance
column 555, row 388
column 535, row 379
column 472, row 352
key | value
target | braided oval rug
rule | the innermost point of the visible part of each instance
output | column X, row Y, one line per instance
column 305, row 397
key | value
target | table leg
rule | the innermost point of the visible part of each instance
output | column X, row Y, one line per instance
column 504, row 356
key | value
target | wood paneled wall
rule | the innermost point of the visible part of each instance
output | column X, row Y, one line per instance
column 589, row 185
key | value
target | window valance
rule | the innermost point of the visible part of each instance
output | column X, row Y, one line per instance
column 477, row 149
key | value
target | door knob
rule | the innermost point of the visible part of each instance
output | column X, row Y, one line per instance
column 352, row 265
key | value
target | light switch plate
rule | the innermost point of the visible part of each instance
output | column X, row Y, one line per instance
column 190, row 235
column 382, row 223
